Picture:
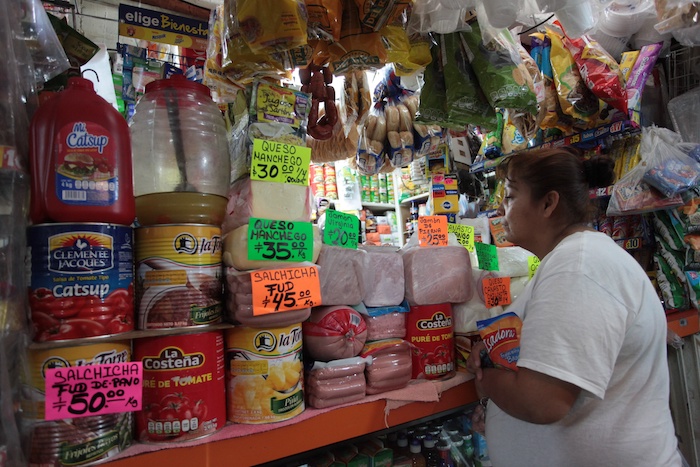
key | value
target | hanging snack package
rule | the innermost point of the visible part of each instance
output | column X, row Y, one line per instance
column 359, row 47
column 627, row 61
column 501, row 335
column 669, row 169
column 324, row 18
column 432, row 109
column 575, row 98
column 638, row 77
column 376, row 15
column 370, row 151
column 399, row 132
column 270, row 26
column 214, row 76
column 550, row 114
column 500, row 71
column 466, row 102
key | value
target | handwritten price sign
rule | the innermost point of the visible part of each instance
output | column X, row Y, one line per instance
column 496, row 291
column 432, row 231
column 280, row 240
column 533, row 262
column 487, row 256
column 341, row 229
column 277, row 290
column 464, row 234
column 84, row 391
column 273, row 161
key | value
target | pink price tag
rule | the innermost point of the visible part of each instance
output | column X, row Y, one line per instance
column 83, row 391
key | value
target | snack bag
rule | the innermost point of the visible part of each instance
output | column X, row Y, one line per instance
column 324, row 18
column 270, row 26
column 432, row 109
column 359, row 48
column 501, row 335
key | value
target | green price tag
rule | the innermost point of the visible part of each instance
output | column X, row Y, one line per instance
column 533, row 262
column 464, row 234
column 341, row 229
column 273, row 161
column 275, row 240
column 487, row 256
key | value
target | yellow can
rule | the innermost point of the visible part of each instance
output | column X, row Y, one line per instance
column 178, row 275
column 264, row 374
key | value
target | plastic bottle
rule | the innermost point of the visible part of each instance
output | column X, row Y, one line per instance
column 456, row 451
column 467, row 445
column 417, row 458
column 80, row 159
column 432, row 456
column 402, row 446
column 443, row 448
column 182, row 169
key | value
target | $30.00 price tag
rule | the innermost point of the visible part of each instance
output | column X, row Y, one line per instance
column 276, row 290
column 496, row 291
column 83, row 391
column 273, row 161
column 432, row 231
column 341, row 229
column 280, row 240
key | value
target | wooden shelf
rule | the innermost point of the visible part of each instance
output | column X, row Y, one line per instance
column 334, row 426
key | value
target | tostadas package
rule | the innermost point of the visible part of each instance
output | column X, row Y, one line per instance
column 501, row 336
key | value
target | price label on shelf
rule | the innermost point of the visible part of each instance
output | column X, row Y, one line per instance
column 432, row 231
column 464, row 234
column 496, row 291
column 83, row 391
column 273, row 161
column 533, row 262
column 341, row 229
column 277, row 290
column 487, row 256
column 275, row 240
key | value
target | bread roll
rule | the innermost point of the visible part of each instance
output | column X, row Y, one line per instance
column 379, row 133
column 392, row 118
column 405, row 120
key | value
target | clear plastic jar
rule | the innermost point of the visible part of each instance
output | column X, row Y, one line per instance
column 180, row 154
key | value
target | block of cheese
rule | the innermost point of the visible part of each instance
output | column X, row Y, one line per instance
column 382, row 277
column 340, row 271
column 236, row 251
column 435, row 275
column 267, row 200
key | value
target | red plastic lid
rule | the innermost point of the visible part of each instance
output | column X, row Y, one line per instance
column 177, row 82
column 80, row 82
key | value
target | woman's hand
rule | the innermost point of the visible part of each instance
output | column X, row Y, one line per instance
column 474, row 360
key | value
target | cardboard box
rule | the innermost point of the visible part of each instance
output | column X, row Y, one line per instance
column 379, row 456
column 684, row 323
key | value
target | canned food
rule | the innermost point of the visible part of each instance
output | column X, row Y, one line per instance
column 178, row 275
column 430, row 331
column 76, row 441
column 265, row 381
column 183, row 387
column 81, row 280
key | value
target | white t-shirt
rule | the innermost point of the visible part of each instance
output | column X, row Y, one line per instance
column 591, row 317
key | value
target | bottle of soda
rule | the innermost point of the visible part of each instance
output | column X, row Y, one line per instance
column 417, row 458
column 432, row 456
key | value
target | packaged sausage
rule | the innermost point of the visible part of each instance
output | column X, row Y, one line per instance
column 336, row 382
column 334, row 332
column 391, row 365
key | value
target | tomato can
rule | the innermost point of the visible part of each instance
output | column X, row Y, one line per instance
column 264, row 374
column 183, row 387
column 179, row 275
column 430, row 332
column 76, row 441
column 81, row 280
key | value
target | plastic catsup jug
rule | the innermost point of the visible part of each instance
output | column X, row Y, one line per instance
column 182, row 169
column 80, row 159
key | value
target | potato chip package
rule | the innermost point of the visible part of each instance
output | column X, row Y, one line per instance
column 550, row 114
column 501, row 335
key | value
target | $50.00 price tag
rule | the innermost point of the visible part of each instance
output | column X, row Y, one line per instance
column 84, row 391
column 341, row 229
column 276, row 290
column 280, row 240
column 496, row 291
column 273, row 161
column 432, row 231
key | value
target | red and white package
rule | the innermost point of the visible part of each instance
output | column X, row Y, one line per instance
column 391, row 365
column 334, row 332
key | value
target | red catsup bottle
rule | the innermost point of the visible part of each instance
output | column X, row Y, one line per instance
column 80, row 159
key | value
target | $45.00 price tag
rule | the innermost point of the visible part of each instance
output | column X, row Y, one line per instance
column 496, row 291
column 277, row 290
column 273, row 161
column 341, row 229
column 432, row 231
column 83, row 391
column 280, row 240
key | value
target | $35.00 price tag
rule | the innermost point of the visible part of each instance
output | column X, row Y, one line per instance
column 83, row 391
column 275, row 240
column 341, row 229
column 277, row 290
column 496, row 291
column 432, row 231
column 273, row 161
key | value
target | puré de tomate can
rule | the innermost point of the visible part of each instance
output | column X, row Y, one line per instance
column 76, row 441
column 81, row 280
column 264, row 374
column 179, row 275
column 430, row 332
column 183, row 387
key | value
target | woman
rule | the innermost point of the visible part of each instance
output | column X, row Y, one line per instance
column 592, row 385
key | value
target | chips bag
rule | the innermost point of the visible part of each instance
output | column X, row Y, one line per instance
column 501, row 335
column 269, row 26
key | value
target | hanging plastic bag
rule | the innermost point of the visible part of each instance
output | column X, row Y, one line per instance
column 669, row 170
column 46, row 50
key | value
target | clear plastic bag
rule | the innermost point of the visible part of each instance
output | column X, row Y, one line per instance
column 669, row 169
column 39, row 37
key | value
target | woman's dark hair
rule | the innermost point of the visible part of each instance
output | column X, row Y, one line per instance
column 562, row 170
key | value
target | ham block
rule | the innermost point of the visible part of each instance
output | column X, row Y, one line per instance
column 391, row 365
column 236, row 251
column 437, row 275
column 382, row 277
column 340, row 275
column 333, row 332
column 267, row 200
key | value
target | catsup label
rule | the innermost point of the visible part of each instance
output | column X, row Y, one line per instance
column 501, row 336
column 430, row 332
